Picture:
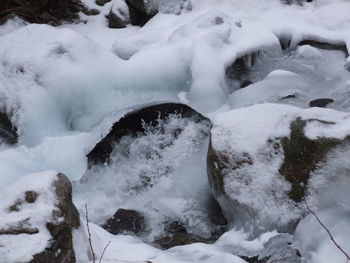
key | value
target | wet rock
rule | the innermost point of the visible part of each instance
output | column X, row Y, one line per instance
column 246, row 83
column 177, row 235
column 125, row 221
column 102, row 2
column 118, row 16
column 8, row 132
column 320, row 102
column 340, row 46
column 140, row 12
column 238, row 72
column 133, row 124
column 217, row 219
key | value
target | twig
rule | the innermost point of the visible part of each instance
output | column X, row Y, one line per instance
column 88, row 229
column 325, row 228
column 103, row 252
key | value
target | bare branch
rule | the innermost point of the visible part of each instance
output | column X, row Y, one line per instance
column 327, row 230
column 103, row 252
column 88, row 229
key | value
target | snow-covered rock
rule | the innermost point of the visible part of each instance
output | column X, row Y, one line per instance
column 118, row 16
column 279, row 86
column 37, row 217
column 262, row 158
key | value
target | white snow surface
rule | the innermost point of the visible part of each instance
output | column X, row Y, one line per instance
column 64, row 87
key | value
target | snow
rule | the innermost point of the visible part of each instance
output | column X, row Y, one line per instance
column 64, row 87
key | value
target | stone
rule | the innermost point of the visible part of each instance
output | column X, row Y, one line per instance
column 43, row 210
column 125, row 221
column 176, row 235
column 61, row 248
column 260, row 179
column 118, row 16
column 43, row 11
column 133, row 123
column 320, row 102
column 8, row 132
column 102, row 2
column 140, row 13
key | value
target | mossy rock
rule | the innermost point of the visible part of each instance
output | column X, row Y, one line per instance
column 302, row 155
column 275, row 174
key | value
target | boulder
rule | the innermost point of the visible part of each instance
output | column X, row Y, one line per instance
column 37, row 219
column 133, row 124
column 125, row 221
column 8, row 132
column 52, row 12
column 118, row 16
column 102, row 2
column 176, row 235
column 320, row 102
column 140, row 11
column 278, row 249
column 262, row 158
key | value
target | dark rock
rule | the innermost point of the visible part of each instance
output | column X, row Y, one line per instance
column 8, row 132
column 320, row 102
column 237, row 73
column 246, row 83
column 125, row 221
column 217, row 219
column 139, row 12
column 102, row 2
column 117, row 18
column 299, row 2
column 340, row 46
column 289, row 97
column 21, row 227
column 176, row 235
column 30, row 196
column 254, row 259
column 133, row 124
column 47, row 17
column 61, row 247
column 52, row 12
column 90, row 12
